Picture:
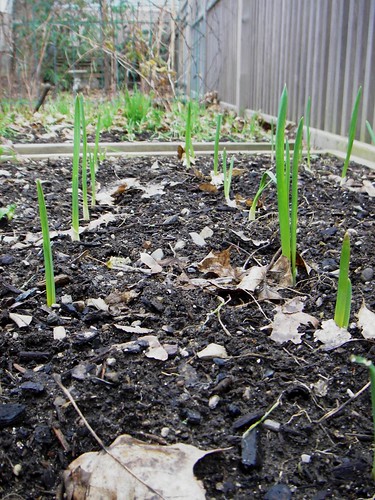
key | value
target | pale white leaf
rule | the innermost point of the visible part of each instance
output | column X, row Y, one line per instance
column 366, row 321
column 21, row 320
column 103, row 219
column 253, row 278
column 213, row 351
column 331, row 335
column 155, row 350
column 288, row 318
column 150, row 262
column 206, row 232
column 165, row 469
column 98, row 303
column 197, row 239
column 152, row 190
column 133, row 329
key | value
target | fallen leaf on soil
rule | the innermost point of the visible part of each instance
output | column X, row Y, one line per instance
column 200, row 239
column 21, row 320
column 119, row 263
column 155, row 350
column 331, row 335
column 99, row 304
column 281, row 272
column 133, row 469
column 287, row 320
column 217, row 263
column 150, row 262
column 253, row 278
column 207, row 187
column 366, row 321
column 133, row 329
column 213, row 351
column 103, row 219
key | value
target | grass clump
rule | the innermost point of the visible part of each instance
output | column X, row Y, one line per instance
column 75, row 171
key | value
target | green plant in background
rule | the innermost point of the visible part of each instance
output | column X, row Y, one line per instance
column 287, row 208
column 47, row 251
column 85, row 204
column 8, row 211
column 370, row 131
column 75, row 172
column 189, row 150
column 344, row 287
column 137, row 106
column 265, row 181
column 216, row 146
column 308, row 137
column 365, row 362
column 272, row 140
column 352, row 130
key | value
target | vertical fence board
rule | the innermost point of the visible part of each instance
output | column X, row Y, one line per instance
column 319, row 48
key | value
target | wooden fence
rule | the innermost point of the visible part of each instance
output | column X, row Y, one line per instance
column 247, row 49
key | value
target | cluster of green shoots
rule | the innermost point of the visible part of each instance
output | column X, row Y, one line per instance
column 344, row 287
column 287, row 184
column 91, row 158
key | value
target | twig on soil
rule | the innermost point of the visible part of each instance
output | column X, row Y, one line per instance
column 334, row 411
column 57, row 379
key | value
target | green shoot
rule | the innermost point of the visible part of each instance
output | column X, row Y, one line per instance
column 308, row 138
column 371, row 367
column 189, row 151
column 94, row 162
column 370, row 131
column 272, row 140
column 8, row 212
column 47, row 251
column 294, row 201
column 287, row 205
column 352, row 129
column 85, row 205
column 75, row 173
column 282, row 181
column 216, row 148
column 227, row 177
column 344, row 287
column 265, row 181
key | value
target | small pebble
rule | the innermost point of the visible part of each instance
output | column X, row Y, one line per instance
column 250, row 455
column 278, row 492
column 34, row 387
column 193, row 417
column 11, row 413
column 305, row 458
column 213, row 401
column 165, row 432
column 367, row 274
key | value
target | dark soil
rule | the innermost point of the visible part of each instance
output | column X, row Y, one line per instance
column 125, row 392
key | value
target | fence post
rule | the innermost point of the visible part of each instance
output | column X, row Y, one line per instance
column 239, row 94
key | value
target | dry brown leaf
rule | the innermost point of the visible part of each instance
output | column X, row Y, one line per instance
column 208, row 187
column 287, row 320
column 165, row 469
column 281, row 272
column 217, row 263
column 133, row 329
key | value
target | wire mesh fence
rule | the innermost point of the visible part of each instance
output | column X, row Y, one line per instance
column 81, row 44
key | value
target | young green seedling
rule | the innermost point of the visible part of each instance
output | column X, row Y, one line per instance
column 308, row 137
column 352, row 130
column 371, row 367
column 75, row 172
column 94, row 162
column 344, row 287
column 47, row 251
column 265, row 181
column 287, row 205
column 227, row 178
column 8, row 211
column 370, row 131
column 216, row 147
column 189, row 150
column 272, row 140
column 85, row 204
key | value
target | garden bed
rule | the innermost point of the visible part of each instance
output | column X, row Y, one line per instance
column 156, row 205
